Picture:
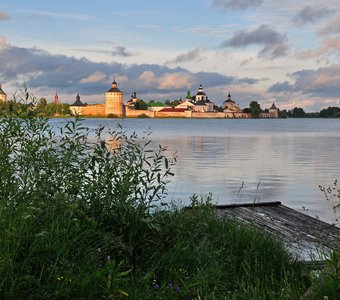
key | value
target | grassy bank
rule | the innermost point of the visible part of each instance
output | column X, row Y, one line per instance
column 84, row 219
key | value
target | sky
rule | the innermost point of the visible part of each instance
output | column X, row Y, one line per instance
column 287, row 52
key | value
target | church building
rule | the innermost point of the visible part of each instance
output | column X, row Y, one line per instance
column 199, row 102
column 230, row 105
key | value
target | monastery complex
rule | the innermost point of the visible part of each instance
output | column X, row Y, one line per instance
column 197, row 106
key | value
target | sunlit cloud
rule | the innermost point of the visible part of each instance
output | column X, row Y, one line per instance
column 95, row 77
column 331, row 45
column 333, row 27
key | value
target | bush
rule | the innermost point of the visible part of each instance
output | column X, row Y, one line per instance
column 75, row 213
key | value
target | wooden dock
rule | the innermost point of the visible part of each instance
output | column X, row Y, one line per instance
column 307, row 238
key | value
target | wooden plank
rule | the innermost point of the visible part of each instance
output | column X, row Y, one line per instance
column 302, row 234
column 251, row 204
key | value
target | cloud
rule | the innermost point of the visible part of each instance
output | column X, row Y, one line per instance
column 4, row 16
column 34, row 14
column 214, row 31
column 236, row 4
column 333, row 27
column 121, row 51
column 192, row 55
column 246, row 61
column 274, row 43
column 45, row 72
column 331, row 45
column 95, row 77
column 150, row 26
column 311, row 14
column 322, row 82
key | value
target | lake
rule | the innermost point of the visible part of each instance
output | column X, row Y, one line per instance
column 241, row 160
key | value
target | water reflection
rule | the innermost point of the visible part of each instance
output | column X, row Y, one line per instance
column 259, row 168
column 272, row 160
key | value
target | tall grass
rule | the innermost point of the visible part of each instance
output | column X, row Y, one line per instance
column 73, row 210
column 82, row 218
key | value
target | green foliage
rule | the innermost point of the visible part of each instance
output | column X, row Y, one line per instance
column 24, row 103
column 199, row 256
column 297, row 112
column 218, row 108
column 327, row 283
column 255, row 109
column 141, row 105
column 75, row 215
column 172, row 103
column 143, row 116
column 111, row 116
column 52, row 109
column 152, row 103
column 330, row 112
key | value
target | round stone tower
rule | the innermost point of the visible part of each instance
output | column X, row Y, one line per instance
column 114, row 101
column 273, row 110
column 3, row 96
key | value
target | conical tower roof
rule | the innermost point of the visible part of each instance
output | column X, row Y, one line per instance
column 1, row 91
column 273, row 106
column 78, row 102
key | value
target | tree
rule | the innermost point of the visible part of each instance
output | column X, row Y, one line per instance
column 64, row 109
column 218, row 108
column 141, row 105
column 298, row 112
column 330, row 112
column 255, row 109
column 41, row 105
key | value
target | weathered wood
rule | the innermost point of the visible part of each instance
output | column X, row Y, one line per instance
column 307, row 238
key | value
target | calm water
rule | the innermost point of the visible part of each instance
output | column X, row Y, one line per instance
column 247, row 160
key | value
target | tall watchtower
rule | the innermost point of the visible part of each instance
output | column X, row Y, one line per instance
column 114, row 101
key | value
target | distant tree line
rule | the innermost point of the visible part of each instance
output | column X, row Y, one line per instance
column 42, row 108
column 298, row 112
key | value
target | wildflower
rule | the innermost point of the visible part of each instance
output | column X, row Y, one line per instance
column 156, row 286
column 60, row 278
column 108, row 257
column 177, row 289
column 170, row 286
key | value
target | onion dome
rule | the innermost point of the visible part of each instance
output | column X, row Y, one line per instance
column 229, row 99
column 200, row 91
column 114, row 88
